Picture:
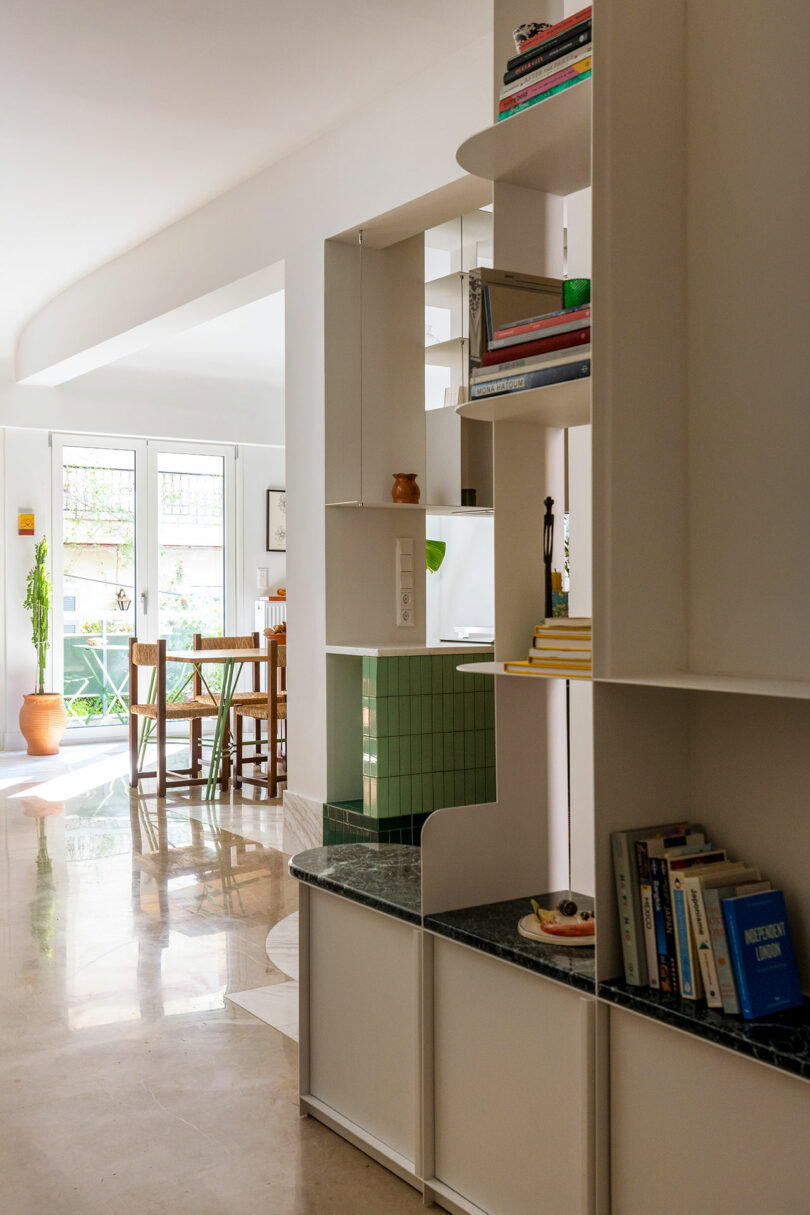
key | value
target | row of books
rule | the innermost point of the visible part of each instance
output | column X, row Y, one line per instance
column 535, row 351
column 556, row 58
column 697, row 925
column 562, row 647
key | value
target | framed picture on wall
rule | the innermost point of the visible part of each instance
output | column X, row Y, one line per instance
column 276, row 521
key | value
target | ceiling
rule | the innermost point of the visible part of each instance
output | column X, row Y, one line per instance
column 120, row 118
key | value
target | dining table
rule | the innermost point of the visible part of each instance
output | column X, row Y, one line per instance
column 232, row 663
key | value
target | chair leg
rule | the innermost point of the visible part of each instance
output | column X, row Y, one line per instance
column 133, row 751
column 272, row 758
column 237, row 765
column 161, row 755
column 195, row 737
column 225, row 764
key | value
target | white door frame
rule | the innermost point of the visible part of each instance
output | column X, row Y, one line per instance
column 146, row 548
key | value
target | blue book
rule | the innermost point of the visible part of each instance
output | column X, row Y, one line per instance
column 519, row 382
column 762, row 953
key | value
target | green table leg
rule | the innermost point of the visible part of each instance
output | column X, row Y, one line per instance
column 230, row 678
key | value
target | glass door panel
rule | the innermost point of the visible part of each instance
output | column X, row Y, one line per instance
column 97, row 584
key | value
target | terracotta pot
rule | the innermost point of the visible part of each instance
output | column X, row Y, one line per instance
column 405, row 488
column 43, row 719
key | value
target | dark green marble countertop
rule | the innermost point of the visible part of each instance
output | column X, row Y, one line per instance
column 386, row 877
column 782, row 1040
column 492, row 928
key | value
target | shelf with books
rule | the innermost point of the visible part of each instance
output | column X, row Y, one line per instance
column 427, row 508
column 782, row 1040
column 563, row 405
column 546, row 148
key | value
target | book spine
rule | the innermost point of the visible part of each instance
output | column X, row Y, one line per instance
column 689, row 981
column 570, row 40
column 531, row 668
column 475, row 315
column 738, row 965
column 665, row 929
column 544, row 73
column 554, row 358
column 561, row 341
column 720, row 952
column 553, row 32
column 703, row 942
column 551, row 324
column 560, row 88
column 647, row 916
column 581, row 63
column 627, row 895
column 532, row 379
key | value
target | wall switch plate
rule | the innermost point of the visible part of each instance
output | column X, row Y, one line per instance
column 405, row 595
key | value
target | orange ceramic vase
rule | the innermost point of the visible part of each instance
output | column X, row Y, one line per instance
column 43, row 719
column 405, row 488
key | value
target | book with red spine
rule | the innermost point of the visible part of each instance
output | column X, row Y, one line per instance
column 580, row 65
column 553, row 31
column 560, row 341
column 542, row 326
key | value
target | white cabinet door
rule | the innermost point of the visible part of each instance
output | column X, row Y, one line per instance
column 513, row 1086
column 700, row 1131
column 363, row 1018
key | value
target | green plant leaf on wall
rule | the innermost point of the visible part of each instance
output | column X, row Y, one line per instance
column 434, row 554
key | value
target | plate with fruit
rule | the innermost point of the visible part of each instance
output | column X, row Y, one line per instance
column 565, row 925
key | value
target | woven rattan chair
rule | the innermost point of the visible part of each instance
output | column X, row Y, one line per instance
column 142, row 654
column 247, row 641
column 274, row 712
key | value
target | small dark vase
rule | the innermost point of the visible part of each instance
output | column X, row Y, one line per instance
column 405, row 488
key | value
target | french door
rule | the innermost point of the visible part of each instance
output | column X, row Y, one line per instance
column 143, row 545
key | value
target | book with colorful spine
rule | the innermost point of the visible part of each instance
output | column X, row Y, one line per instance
column 561, row 648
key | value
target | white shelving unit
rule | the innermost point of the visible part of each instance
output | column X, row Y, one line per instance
column 695, row 479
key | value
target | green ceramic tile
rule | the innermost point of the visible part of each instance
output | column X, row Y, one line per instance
column 382, row 757
column 404, row 676
column 436, row 674
column 480, row 710
column 394, row 768
column 366, row 715
column 436, row 710
column 447, row 711
column 370, row 805
column 469, row 710
column 393, row 797
column 424, row 674
column 480, row 748
column 458, row 751
column 490, row 710
column 489, row 749
column 415, row 714
column 382, row 797
column 491, row 788
column 405, row 799
column 416, row 753
column 448, row 756
column 405, row 767
column 427, row 752
column 469, row 788
column 376, row 718
column 427, row 792
column 461, row 682
column 469, row 749
column 458, row 711
column 366, row 793
column 447, row 661
column 382, row 676
column 480, row 785
column 426, row 715
column 458, row 790
column 393, row 715
column 438, row 790
column 393, row 676
column 416, row 794
column 404, row 714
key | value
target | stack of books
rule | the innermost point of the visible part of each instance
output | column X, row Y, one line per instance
column 696, row 925
column 548, row 63
column 562, row 647
column 534, row 352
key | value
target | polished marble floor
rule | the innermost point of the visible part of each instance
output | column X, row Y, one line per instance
column 147, row 1006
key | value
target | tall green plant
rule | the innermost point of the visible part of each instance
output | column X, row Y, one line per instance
column 38, row 603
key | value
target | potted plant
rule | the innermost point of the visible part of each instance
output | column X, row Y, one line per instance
column 42, row 717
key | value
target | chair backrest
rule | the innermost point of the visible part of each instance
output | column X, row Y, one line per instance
column 250, row 641
column 147, row 654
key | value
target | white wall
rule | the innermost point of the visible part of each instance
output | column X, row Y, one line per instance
column 260, row 469
column 462, row 591
column 400, row 149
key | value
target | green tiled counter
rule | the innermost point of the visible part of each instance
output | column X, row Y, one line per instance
column 428, row 742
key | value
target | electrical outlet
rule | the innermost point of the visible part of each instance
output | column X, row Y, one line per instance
column 405, row 595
